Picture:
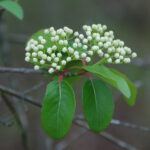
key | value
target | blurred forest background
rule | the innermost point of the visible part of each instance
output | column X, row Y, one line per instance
column 130, row 21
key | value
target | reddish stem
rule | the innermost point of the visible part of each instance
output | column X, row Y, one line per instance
column 82, row 72
column 84, row 63
column 89, row 76
column 60, row 78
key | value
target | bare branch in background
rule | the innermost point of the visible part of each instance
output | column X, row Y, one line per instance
column 6, row 123
column 19, row 95
column 67, row 142
column 18, row 120
column 34, row 88
column 21, row 70
column 120, row 123
column 107, row 136
column 14, row 105
column 117, row 141
column 32, row 71
column 35, row 102
column 30, row 90
column 76, row 120
column 129, row 125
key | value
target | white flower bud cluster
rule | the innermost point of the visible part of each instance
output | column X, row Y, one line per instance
column 103, row 43
column 52, row 49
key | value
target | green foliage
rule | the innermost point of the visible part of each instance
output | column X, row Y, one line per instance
column 58, row 109
column 98, row 104
column 116, row 79
column 59, row 102
column 97, row 99
column 12, row 7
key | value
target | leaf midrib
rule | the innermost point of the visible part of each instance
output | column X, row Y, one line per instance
column 104, row 76
column 94, row 96
column 60, row 96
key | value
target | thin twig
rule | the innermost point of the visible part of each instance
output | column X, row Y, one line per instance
column 18, row 120
column 129, row 125
column 107, row 136
column 78, row 122
column 14, row 105
column 67, row 142
column 35, row 102
column 118, row 122
column 117, row 141
column 6, row 123
column 35, row 87
column 28, row 91
column 21, row 70
column 19, row 95
column 32, row 71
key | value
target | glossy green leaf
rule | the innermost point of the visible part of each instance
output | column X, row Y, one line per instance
column 97, row 104
column 74, row 63
column 58, row 109
column 72, row 80
column 12, row 7
column 117, row 80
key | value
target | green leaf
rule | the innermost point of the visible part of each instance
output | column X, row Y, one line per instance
column 117, row 80
column 58, row 109
column 98, row 104
column 13, row 7
column 71, row 80
column 74, row 63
